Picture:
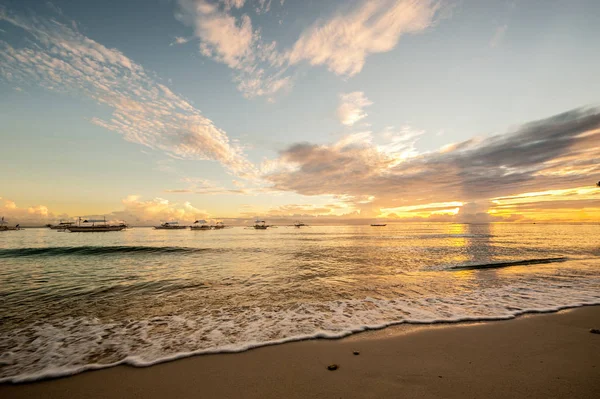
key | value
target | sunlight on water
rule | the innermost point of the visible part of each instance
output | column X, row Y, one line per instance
column 74, row 301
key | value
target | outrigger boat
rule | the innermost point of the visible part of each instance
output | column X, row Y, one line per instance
column 61, row 225
column 218, row 225
column 378, row 225
column 261, row 225
column 298, row 224
column 170, row 226
column 5, row 227
column 200, row 225
column 92, row 227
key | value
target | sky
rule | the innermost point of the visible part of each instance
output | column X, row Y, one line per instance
column 325, row 111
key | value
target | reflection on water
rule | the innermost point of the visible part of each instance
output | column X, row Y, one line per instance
column 67, row 298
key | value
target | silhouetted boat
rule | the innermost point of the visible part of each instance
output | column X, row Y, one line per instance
column 200, row 225
column 260, row 225
column 378, row 224
column 219, row 225
column 93, row 227
column 61, row 225
column 5, row 227
column 299, row 224
column 170, row 226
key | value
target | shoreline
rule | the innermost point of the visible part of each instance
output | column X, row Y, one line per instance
column 390, row 329
column 520, row 354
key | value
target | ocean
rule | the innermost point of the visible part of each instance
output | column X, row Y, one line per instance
column 71, row 302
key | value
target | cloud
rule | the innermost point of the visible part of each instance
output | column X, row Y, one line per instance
column 203, row 186
column 14, row 214
column 231, row 40
column 59, row 58
column 554, row 153
column 351, row 108
column 143, row 213
column 498, row 35
column 180, row 40
column 344, row 42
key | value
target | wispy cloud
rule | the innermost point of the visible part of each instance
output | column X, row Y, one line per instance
column 180, row 40
column 554, row 153
column 498, row 35
column 233, row 41
column 351, row 108
column 344, row 42
column 59, row 58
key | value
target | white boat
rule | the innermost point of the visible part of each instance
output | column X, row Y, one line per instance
column 5, row 227
column 200, row 225
column 170, row 226
column 95, row 226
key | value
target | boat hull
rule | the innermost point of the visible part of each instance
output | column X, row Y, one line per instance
column 199, row 227
column 170, row 227
column 94, row 229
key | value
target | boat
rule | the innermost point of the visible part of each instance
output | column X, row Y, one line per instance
column 61, row 225
column 95, row 226
column 5, row 227
column 298, row 224
column 260, row 225
column 170, row 226
column 200, row 225
column 219, row 225
column 378, row 224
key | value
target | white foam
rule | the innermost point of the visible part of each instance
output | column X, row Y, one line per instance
column 73, row 345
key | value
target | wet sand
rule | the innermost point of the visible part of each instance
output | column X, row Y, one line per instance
column 535, row 356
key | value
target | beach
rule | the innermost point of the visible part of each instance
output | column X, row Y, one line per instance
column 533, row 356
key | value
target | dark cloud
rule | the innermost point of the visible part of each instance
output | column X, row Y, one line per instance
column 557, row 152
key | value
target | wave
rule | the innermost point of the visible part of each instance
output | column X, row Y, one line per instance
column 139, row 361
column 94, row 250
column 495, row 265
column 39, row 350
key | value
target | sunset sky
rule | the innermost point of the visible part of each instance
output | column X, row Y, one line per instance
column 156, row 110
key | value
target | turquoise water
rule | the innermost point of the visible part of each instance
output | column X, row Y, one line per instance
column 74, row 301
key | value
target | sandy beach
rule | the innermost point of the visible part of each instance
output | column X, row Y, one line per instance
column 533, row 356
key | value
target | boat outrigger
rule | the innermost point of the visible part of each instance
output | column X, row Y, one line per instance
column 5, row 227
column 95, row 226
column 200, row 225
column 61, row 225
column 170, row 226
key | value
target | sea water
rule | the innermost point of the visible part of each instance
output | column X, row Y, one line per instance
column 76, row 301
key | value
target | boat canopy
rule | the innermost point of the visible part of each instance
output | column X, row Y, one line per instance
column 171, row 222
column 94, row 220
column 200, row 221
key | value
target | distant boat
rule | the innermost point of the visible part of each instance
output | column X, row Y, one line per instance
column 260, row 225
column 170, row 226
column 219, row 225
column 200, row 225
column 298, row 224
column 5, row 227
column 378, row 224
column 95, row 226
column 61, row 225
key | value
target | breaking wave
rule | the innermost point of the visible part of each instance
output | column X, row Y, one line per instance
column 95, row 250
